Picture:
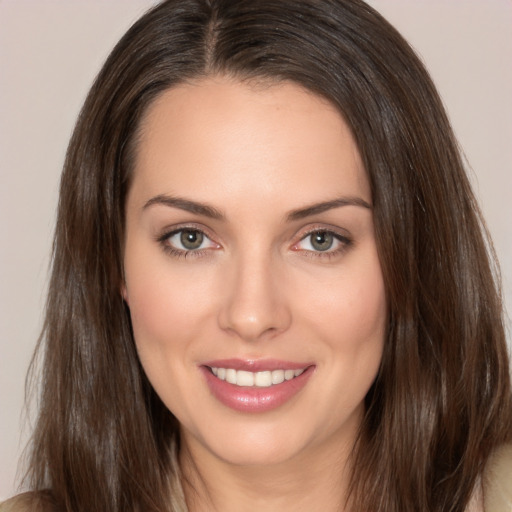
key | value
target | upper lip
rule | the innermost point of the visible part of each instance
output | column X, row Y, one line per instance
column 256, row 365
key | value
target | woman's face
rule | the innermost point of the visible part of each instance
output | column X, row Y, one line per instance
column 252, row 276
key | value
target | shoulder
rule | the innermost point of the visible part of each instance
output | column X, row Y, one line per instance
column 21, row 503
column 497, row 481
column 29, row 502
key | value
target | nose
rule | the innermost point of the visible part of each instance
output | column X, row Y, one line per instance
column 254, row 305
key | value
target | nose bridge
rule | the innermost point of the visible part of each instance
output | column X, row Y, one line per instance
column 255, row 304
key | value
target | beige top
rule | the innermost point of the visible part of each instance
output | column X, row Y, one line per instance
column 497, row 481
column 496, row 489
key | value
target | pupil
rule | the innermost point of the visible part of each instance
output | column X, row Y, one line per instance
column 322, row 241
column 191, row 239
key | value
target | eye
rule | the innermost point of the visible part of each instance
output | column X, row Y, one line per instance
column 322, row 241
column 319, row 241
column 187, row 240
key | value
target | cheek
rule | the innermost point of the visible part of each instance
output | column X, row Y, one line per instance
column 169, row 310
column 350, row 307
column 365, row 309
column 167, row 306
column 349, row 319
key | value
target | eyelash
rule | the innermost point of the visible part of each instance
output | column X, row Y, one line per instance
column 344, row 244
column 163, row 240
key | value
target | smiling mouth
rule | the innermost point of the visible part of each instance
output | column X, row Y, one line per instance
column 262, row 379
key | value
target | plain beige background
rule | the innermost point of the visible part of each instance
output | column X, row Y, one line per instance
column 50, row 51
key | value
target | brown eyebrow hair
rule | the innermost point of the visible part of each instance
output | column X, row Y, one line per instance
column 187, row 205
column 213, row 213
column 316, row 208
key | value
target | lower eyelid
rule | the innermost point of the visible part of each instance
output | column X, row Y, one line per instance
column 342, row 244
column 178, row 252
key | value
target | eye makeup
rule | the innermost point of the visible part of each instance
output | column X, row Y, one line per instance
column 324, row 243
column 192, row 241
column 187, row 241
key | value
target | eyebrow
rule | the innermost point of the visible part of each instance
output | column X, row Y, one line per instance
column 317, row 208
column 187, row 205
column 213, row 213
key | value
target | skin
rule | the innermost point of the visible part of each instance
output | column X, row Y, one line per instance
column 257, row 288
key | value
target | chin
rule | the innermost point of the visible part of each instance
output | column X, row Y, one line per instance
column 252, row 445
column 258, row 455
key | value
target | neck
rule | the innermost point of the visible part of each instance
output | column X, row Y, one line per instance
column 313, row 480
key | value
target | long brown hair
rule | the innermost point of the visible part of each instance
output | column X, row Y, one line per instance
column 442, row 399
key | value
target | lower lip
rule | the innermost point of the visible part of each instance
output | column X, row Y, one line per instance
column 255, row 399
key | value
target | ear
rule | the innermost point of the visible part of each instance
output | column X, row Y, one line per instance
column 124, row 292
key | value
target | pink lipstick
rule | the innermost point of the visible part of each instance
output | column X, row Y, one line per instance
column 255, row 385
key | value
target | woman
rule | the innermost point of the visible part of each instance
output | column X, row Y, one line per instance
column 270, row 285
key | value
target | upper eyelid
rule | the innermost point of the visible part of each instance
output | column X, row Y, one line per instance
column 320, row 230
column 342, row 239
column 328, row 228
column 168, row 247
column 172, row 230
column 340, row 233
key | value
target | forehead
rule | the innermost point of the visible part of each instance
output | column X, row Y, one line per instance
column 223, row 137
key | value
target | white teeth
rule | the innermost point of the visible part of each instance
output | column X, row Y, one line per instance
column 263, row 379
column 231, row 375
column 289, row 374
column 259, row 379
column 244, row 378
column 277, row 376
